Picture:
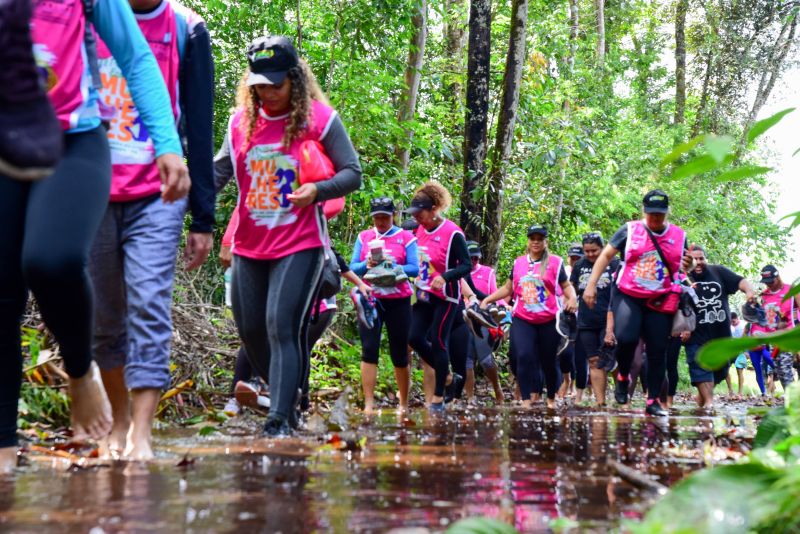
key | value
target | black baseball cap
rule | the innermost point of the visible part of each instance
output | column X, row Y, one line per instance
column 270, row 59
column 474, row 249
column 537, row 229
column 410, row 225
column 575, row 250
column 768, row 274
column 381, row 205
column 656, row 201
column 420, row 204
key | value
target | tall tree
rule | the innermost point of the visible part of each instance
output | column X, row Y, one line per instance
column 416, row 54
column 477, row 114
column 512, row 77
column 600, row 14
column 680, row 60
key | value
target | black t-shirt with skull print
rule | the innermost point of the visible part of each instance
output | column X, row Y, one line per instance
column 596, row 317
column 713, row 287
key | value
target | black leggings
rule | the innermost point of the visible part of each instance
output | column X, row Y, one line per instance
column 396, row 315
column 573, row 361
column 673, row 353
column 271, row 304
column 460, row 344
column 431, row 323
column 46, row 232
column 632, row 320
column 535, row 347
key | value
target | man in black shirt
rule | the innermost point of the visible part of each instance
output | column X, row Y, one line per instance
column 713, row 284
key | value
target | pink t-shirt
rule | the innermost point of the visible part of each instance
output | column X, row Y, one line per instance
column 775, row 306
column 395, row 246
column 270, row 226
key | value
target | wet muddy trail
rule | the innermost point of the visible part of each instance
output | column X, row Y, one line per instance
column 386, row 472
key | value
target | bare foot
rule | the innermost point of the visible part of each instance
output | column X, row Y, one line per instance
column 8, row 460
column 91, row 411
column 113, row 446
column 139, row 447
column 369, row 408
column 551, row 404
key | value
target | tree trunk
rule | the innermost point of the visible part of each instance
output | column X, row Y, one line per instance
column 600, row 13
column 408, row 101
column 476, row 124
column 680, row 61
column 573, row 34
column 515, row 60
column 701, row 109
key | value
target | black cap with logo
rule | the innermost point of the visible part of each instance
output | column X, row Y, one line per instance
column 656, row 201
column 537, row 229
column 270, row 59
column 768, row 274
column 382, row 205
column 575, row 251
column 420, row 204
column 474, row 249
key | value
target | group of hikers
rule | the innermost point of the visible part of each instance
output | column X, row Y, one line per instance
column 106, row 103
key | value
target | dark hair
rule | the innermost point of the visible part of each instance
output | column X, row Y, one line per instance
column 734, row 315
column 593, row 237
column 697, row 247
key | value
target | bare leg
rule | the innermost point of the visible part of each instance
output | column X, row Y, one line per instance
column 728, row 383
column 114, row 382
column 369, row 376
column 740, row 375
column 705, row 394
column 670, row 401
column 771, row 385
column 494, row 379
column 517, row 394
column 599, row 383
column 579, row 395
column 403, row 377
column 8, row 460
column 469, row 385
column 91, row 411
column 428, row 382
column 144, row 401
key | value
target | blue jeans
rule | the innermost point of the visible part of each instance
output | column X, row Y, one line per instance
column 132, row 265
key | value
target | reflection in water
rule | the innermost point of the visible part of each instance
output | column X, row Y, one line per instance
column 525, row 468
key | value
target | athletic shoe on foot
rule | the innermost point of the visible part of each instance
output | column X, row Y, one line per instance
column 481, row 316
column 621, row 391
column 275, row 427
column 380, row 276
column 248, row 394
column 364, row 308
column 453, row 388
column 476, row 330
column 654, row 408
column 31, row 139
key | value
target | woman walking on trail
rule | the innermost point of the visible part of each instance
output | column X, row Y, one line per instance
column 278, row 244
column 535, row 277
column 592, row 321
column 444, row 260
column 373, row 247
column 653, row 252
column 49, row 225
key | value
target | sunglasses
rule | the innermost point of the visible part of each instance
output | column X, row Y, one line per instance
column 382, row 201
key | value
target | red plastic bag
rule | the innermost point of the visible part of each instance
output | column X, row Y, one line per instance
column 315, row 166
column 333, row 207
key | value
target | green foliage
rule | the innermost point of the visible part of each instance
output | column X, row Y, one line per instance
column 42, row 404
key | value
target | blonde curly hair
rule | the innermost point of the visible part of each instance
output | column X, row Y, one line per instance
column 305, row 88
column 436, row 193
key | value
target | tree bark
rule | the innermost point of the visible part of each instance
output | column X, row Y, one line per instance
column 573, row 34
column 408, row 101
column 515, row 61
column 600, row 14
column 476, row 123
column 680, row 61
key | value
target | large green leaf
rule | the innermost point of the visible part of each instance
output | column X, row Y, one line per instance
column 772, row 428
column 695, row 166
column 740, row 173
column 718, row 352
column 718, row 146
column 795, row 222
column 679, row 151
column 714, row 501
column 763, row 125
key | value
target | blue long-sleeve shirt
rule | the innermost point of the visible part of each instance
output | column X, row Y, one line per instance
column 411, row 267
column 115, row 24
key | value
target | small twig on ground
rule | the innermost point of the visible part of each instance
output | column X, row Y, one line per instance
column 635, row 477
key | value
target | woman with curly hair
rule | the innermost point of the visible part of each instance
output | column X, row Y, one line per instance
column 278, row 244
column 444, row 260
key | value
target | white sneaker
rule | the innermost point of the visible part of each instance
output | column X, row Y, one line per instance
column 231, row 407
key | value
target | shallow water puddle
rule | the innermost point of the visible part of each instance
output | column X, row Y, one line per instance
column 521, row 467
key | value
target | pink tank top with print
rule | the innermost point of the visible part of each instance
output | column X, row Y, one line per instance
column 485, row 280
column 535, row 297
column 434, row 255
column 643, row 273
column 775, row 307
column 57, row 31
column 271, row 227
column 394, row 246
column 135, row 174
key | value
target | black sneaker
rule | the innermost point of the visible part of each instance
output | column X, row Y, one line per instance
column 655, row 409
column 477, row 331
column 364, row 308
column 276, row 427
column 567, row 325
column 31, row 139
column 621, row 391
column 453, row 390
column 481, row 316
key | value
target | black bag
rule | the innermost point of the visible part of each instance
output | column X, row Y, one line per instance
column 331, row 282
column 685, row 318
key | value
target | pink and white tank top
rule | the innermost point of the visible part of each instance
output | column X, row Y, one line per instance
column 434, row 255
column 643, row 273
column 536, row 297
column 395, row 246
column 775, row 307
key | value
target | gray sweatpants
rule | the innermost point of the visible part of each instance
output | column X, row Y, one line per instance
column 271, row 304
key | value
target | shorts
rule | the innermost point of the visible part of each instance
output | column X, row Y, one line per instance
column 698, row 374
column 480, row 351
column 741, row 362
